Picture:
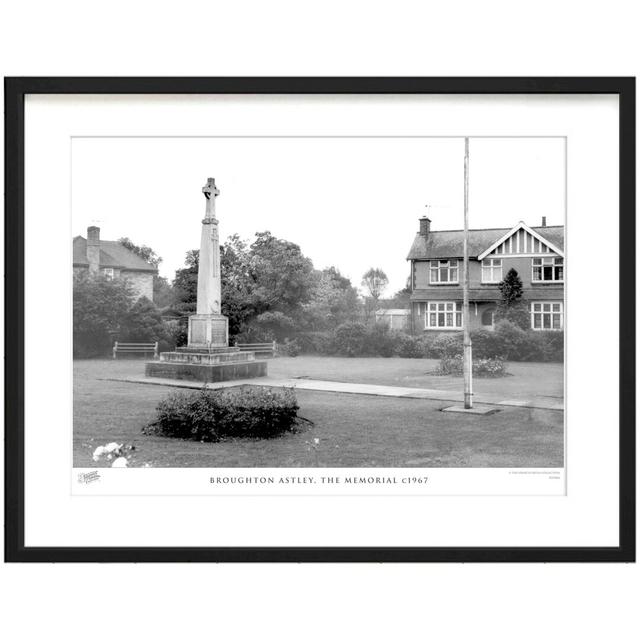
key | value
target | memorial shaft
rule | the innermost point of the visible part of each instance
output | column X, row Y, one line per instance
column 209, row 287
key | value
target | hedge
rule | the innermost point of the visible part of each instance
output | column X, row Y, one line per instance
column 507, row 341
column 510, row 342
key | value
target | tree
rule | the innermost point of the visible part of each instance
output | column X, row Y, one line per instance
column 163, row 293
column 269, row 288
column 185, row 284
column 143, row 323
column 511, row 307
column 402, row 297
column 282, row 277
column 274, row 325
column 236, row 282
column 333, row 301
column 99, row 307
column 375, row 281
column 511, row 288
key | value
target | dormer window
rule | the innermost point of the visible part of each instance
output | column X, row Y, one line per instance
column 492, row 270
column 443, row 272
column 547, row 269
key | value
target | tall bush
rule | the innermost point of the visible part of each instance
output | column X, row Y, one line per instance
column 409, row 346
column 429, row 345
column 518, row 344
column 554, row 348
column 143, row 323
column 380, row 340
column 210, row 416
column 511, row 342
column 511, row 307
column 350, row 339
column 447, row 344
column 99, row 308
column 487, row 344
column 275, row 323
column 177, row 332
column 317, row 342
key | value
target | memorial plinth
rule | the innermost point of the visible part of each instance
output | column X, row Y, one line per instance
column 206, row 367
column 208, row 356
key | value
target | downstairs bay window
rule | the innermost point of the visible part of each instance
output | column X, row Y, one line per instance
column 443, row 315
column 547, row 316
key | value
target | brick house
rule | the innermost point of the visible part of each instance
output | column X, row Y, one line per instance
column 113, row 260
column 536, row 253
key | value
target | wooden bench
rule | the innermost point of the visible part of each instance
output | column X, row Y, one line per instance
column 267, row 349
column 135, row 347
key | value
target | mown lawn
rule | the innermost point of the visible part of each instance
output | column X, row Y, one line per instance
column 354, row 431
column 525, row 380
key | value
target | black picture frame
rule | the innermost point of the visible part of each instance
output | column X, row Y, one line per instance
column 15, row 91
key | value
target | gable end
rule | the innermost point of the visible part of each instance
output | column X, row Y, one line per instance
column 521, row 240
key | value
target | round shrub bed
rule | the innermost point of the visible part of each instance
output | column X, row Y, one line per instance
column 210, row 416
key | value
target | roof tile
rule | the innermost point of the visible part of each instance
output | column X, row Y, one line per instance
column 448, row 244
column 112, row 254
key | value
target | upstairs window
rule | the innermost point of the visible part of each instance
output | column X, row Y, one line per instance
column 443, row 315
column 492, row 270
column 443, row 272
column 108, row 273
column 548, row 269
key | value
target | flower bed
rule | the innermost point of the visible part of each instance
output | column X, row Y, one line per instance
column 482, row 367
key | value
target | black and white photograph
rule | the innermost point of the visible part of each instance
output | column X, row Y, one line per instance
column 319, row 302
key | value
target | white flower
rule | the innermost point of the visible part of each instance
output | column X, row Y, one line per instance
column 120, row 462
column 316, row 441
column 100, row 451
column 112, row 447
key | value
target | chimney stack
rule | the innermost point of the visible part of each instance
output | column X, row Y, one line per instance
column 93, row 249
column 544, row 221
column 425, row 226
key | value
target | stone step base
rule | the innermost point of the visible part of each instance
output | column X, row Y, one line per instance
column 192, row 357
column 206, row 372
column 212, row 349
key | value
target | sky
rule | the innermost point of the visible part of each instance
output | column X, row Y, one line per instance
column 352, row 203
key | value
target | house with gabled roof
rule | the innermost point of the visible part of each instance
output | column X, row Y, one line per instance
column 113, row 260
column 536, row 253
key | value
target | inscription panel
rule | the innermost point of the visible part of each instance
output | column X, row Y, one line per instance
column 219, row 332
column 198, row 331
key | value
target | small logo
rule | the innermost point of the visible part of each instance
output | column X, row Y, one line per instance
column 90, row 476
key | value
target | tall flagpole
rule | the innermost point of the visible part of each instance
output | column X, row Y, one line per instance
column 467, row 358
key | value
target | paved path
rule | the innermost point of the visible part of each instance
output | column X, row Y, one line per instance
column 539, row 402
